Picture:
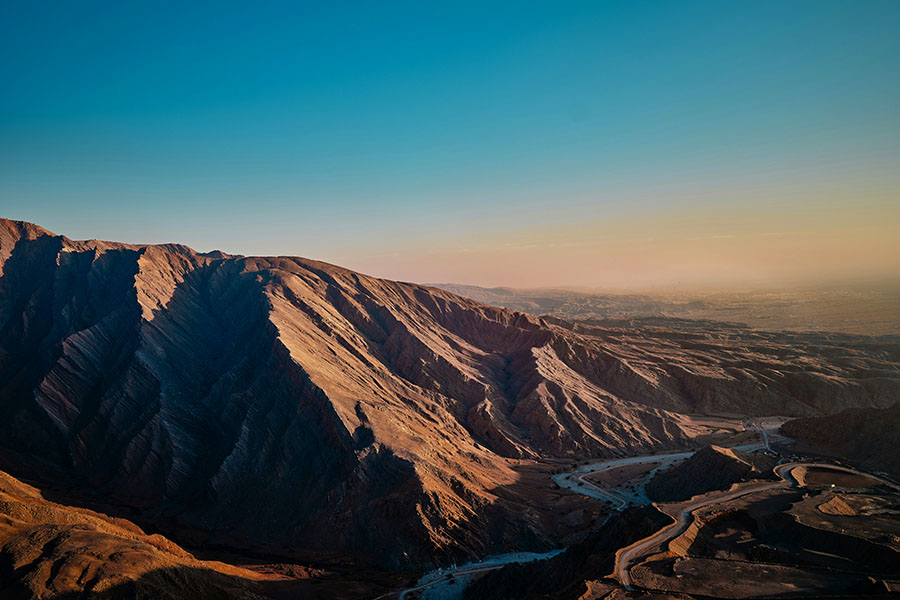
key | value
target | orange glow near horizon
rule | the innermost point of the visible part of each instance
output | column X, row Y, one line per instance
column 739, row 247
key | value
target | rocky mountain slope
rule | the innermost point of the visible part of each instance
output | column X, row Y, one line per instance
column 711, row 468
column 867, row 436
column 48, row 550
column 293, row 406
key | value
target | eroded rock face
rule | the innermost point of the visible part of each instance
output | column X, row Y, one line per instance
column 290, row 405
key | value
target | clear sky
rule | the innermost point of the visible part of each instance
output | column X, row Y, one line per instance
column 609, row 144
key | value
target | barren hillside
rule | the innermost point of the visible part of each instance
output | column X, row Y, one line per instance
column 294, row 406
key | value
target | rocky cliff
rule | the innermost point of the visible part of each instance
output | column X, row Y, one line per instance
column 289, row 405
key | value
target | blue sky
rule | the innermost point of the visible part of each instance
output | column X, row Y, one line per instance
column 391, row 137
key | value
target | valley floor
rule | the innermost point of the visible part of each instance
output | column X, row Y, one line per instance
column 794, row 533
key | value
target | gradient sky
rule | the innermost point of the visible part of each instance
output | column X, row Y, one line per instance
column 590, row 144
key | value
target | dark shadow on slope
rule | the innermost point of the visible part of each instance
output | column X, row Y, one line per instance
column 592, row 558
column 176, row 583
column 181, row 583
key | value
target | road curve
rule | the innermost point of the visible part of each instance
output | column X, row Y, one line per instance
column 576, row 481
column 625, row 557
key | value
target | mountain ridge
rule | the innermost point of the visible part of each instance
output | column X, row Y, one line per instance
column 361, row 413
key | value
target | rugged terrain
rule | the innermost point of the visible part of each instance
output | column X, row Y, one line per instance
column 820, row 530
column 567, row 575
column 786, row 542
column 289, row 406
column 869, row 437
column 711, row 468
column 48, row 550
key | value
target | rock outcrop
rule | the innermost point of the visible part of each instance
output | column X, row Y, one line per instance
column 293, row 406
column 711, row 468
column 869, row 437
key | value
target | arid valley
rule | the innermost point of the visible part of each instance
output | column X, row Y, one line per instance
column 280, row 427
column 450, row 300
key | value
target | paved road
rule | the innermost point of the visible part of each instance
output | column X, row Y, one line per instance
column 626, row 557
column 784, row 471
column 576, row 481
column 621, row 499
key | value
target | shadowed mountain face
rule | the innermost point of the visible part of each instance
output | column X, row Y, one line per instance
column 867, row 436
column 711, row 468
column 48, row 550
column 286, row 404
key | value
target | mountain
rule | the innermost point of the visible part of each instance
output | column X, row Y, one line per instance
column 290, row 406
column 49, row 550
column 867, row 436
column 710, row 468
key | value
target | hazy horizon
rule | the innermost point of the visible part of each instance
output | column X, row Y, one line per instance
column 587, row 145
column 866, row 279
column 515, row 300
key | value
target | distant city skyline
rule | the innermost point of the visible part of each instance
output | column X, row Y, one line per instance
column 581, row 144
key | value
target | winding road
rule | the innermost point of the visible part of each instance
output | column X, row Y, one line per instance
column 620, row 499
column 627, row 556
column 576, row 480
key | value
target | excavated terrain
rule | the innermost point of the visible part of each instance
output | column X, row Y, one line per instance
column 289, row 406
column 781, row 543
